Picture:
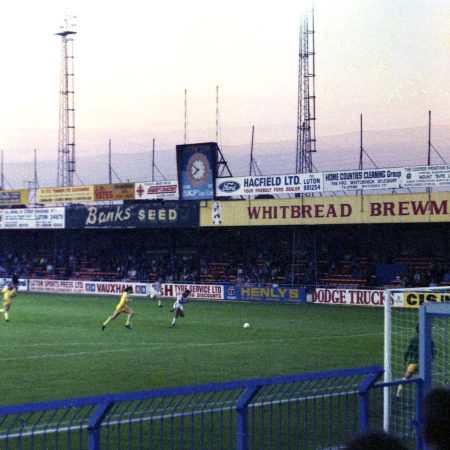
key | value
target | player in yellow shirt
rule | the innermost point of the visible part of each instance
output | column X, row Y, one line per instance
column 122, row 307
column 8, row 293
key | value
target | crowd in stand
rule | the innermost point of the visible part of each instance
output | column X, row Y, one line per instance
column 262, row 268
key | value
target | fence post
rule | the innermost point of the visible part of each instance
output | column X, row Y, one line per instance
column 363, row 392
column 242, row 416
column 419, row 420
column 95, row 423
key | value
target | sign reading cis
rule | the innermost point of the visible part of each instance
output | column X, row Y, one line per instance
column 415, row 299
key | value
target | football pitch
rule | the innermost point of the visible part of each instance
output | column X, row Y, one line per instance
column 54, row 348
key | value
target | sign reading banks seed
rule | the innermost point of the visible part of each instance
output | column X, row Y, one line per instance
column 151, row 215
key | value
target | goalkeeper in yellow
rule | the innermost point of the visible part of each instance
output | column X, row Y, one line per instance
column 8, row 293
column 411, row 358
column 122, row 307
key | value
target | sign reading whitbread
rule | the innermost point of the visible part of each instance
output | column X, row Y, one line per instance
column 389, row 208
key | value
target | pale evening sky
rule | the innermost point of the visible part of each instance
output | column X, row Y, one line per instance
column 386, row 59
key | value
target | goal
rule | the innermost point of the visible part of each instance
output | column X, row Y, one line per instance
column 401, row 323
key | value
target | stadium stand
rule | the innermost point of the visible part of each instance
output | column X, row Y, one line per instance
column 328, row 256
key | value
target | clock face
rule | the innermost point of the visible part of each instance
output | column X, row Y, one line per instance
column 198, row 169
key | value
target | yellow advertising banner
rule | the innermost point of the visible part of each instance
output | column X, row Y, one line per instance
column 14, row 197
column 387, row 208
column 68, row 194
column 415, row 299
column 111, row 192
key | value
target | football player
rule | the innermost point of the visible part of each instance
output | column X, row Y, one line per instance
column 178, row 308
column 8, row 293
column 122, row 307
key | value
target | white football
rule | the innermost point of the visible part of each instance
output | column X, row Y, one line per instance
column 246, row 325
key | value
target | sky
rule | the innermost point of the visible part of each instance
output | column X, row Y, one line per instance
column 134, row 61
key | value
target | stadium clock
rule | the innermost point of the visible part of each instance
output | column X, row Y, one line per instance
column 198, row 169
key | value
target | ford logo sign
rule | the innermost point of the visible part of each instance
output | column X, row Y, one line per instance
column 229, row 186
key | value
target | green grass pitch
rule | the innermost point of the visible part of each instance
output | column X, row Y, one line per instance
column 54, row 348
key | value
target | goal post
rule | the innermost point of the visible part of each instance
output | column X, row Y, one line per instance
column 402, row 322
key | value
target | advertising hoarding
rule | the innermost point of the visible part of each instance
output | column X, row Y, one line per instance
column 68, row 194
column 113, row 192
column 14, row 197
column 151, row 215
column 32, row 218
column 155, row 190
column 387, row 208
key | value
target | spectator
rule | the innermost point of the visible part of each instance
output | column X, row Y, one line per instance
column 375, row 440
column 436, row 418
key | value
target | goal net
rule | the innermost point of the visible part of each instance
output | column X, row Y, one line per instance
column 401, row 326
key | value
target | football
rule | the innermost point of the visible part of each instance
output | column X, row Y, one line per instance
column 246, row 325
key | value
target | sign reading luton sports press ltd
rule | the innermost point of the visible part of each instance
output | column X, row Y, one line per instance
column 337, row 181
column 387, row 208
column 170, row 214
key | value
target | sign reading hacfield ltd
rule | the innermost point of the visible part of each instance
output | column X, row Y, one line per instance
column 337, row 181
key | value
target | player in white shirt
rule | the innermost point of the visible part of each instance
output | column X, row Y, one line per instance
column 178, row 308
column 155, row 292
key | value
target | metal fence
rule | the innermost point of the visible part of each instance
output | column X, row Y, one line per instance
column 320, row 410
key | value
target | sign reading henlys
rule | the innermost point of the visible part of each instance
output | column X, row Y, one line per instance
column 273, row 185
column 272, row 293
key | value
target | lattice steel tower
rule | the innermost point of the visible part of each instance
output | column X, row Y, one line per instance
column 66, row 137
column 306, row 107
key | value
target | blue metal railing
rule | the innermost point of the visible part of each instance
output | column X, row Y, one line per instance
column 310, row 411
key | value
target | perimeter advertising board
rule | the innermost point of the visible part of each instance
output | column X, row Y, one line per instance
column 197, row 167
column 336, row 181
column 274, row 293
column 198, row 291
column 32, row 218
column 169, row 214
column 14, row 197
column 427, row 176
column 155, row 190
column 274, row 185
column 363, row 179
column 415, row 299
column 389, row 208
column 68, row 194
column 113, row 192
column 354, row 297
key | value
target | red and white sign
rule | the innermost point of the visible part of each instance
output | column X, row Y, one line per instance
column 355, row 297
column 200, row 291
column 153, row 190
